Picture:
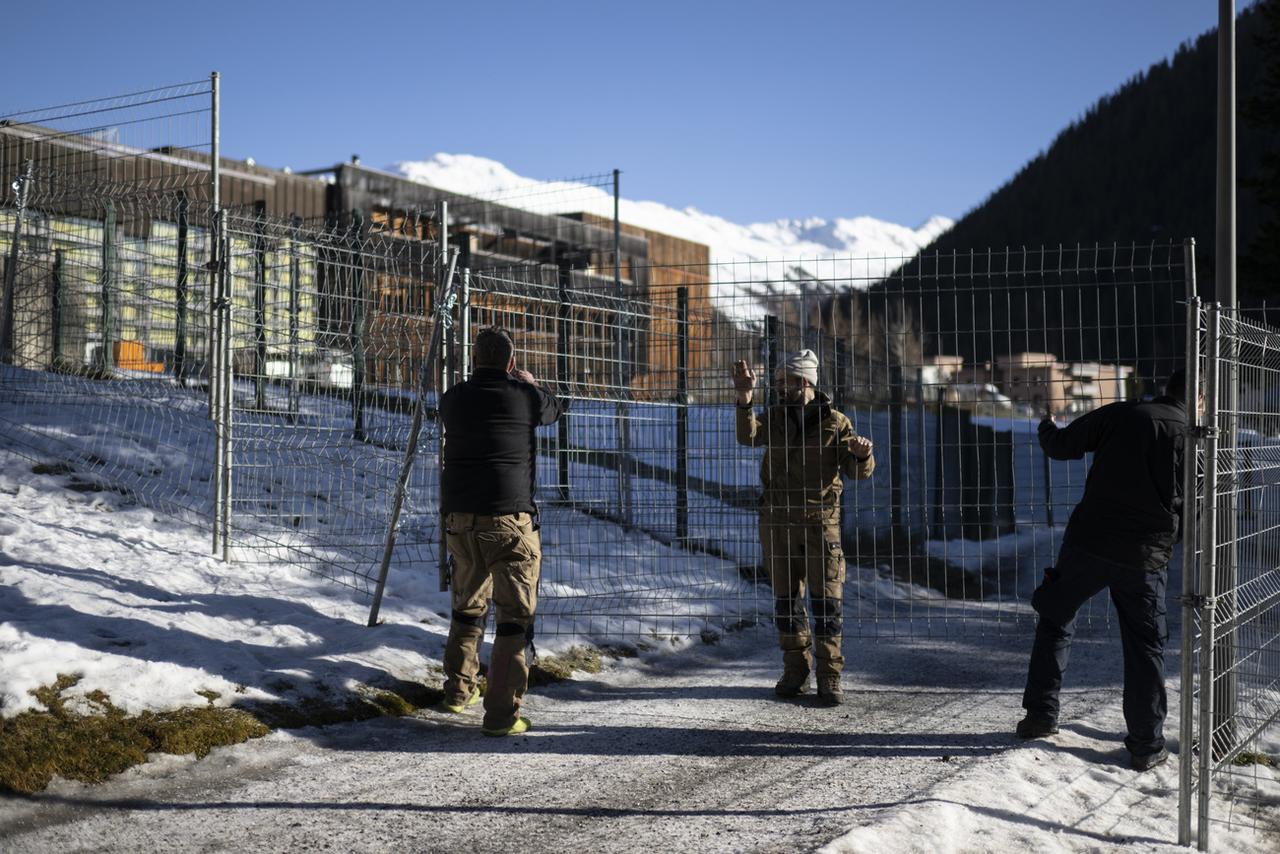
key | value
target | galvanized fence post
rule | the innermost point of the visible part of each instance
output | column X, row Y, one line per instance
column 439, row 352
column 106, row 359
column 227, row 394
column 770, row 357
column 622, row 374
column 1225, row 698
column 295, row 275
column 356, row 248
column 1190, row 459
column 180, row 294
column 11, row 266
column 1208, row 573
column 682, row 415
column 259, row 305
column 215, row 211
column 564, row 274
column 217, row 346
column 55, row 284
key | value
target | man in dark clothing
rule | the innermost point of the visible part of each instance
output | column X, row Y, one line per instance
column 1119, row 537
column 486, row 497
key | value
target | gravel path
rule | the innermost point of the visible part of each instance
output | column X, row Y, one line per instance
column 680, row 751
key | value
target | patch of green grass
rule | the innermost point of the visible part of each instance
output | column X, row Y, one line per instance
column 1249, row 758
column 549, row 669
column 37, row 745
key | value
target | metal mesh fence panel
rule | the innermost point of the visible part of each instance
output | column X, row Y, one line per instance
column 108, row 324
column 652, row 505
column 327, row 339
column 104, row 312
column 1233, row 716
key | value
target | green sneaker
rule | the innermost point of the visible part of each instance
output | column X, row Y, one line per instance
column 457, row 708
column 521, row 725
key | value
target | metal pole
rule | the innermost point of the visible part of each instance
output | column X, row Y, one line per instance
column 622, row 374
column 411, row 448
column 180, row 298
column 11, row 267
column 259, row 305
column 357, row 325
column 1225, row 263
column 770, row 358
column 565, row 273
column 227, row 394
column 106, row 359
column 215, row 207
column 215, row 142
column 439, row 342
column 216, row 347
column 464, row 326
column 1225, row 232
column 56, row 283
column 1186, row 721
column 682, row 415
column 1208, row 570
column 295, row 276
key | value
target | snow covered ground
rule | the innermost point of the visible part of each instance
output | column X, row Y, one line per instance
column 682, row 748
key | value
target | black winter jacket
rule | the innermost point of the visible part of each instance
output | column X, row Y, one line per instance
column 1132, row 505
column 489, row 443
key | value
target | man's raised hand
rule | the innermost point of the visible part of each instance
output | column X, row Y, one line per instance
column 744, row 382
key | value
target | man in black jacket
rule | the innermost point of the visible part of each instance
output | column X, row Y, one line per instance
column 486, row 497
column 1120, row 536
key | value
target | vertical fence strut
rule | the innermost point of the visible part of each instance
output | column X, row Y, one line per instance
column 180, row 293
column 682, row 415
column 1190, row 544
column 439, row 350
column 1209, row 553
column 22, row 189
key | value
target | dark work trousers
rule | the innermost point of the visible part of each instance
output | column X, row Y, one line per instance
column 1139, row 599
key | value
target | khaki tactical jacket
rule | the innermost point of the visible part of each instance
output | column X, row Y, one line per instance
column 806, row 450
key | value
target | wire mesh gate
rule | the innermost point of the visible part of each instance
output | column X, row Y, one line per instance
column 1230, row 708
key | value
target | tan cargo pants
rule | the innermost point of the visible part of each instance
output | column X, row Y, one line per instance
column 800, row 554
column 498, row 558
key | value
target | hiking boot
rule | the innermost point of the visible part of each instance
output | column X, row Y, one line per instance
column 792, row 684
column 1034, row 727
column 457, row 708
column 1147, row 761
column 829, row 691
column 521, row 725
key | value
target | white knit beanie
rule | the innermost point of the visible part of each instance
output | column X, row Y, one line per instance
column 803, row 363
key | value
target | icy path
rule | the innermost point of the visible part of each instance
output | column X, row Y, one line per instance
column 673, row 752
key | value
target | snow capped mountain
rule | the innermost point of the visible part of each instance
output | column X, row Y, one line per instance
column 813, row 238
column 751, row 264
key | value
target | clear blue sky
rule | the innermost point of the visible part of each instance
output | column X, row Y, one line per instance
column 754, row 111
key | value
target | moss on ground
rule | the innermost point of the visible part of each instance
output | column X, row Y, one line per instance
column 35, row 746
column 549, row 669
column 1250, row 758
column 98, row 739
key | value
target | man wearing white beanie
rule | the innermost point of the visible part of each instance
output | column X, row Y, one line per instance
column 808, row 445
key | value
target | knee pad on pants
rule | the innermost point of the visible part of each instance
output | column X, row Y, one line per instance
column 828, row 619
column 788, row 616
